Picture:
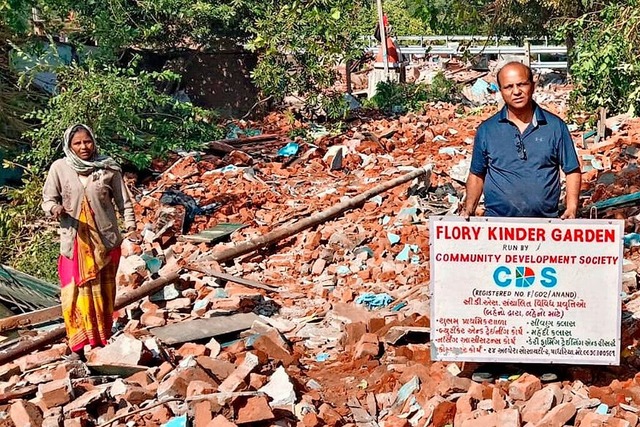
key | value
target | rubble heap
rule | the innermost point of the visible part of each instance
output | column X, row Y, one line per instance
column 327, row 326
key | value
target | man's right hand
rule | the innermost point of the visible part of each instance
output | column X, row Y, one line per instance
column 57, row 211
column 466, row 213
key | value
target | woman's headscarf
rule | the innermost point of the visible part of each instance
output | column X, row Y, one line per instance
column 85, row 167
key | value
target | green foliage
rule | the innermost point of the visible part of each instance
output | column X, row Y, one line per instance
column 23, row 244
column 606, row 61
column 15, row 14
column 133, row 121
column 451, row 16
column 39, row 257
column 336, row 106
column 298, row 54
column 116, row 25
column 509, row 18
column 402, row 97
column 400, row 19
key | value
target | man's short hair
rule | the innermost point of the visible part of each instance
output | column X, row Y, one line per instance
column 529, row 71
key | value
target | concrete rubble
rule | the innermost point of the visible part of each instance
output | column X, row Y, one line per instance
column 339, row 333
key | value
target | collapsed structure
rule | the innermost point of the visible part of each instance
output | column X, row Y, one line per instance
column 291, row 287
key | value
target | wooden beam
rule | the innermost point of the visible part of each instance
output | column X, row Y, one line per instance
column 247, row 140
column 32, row 318
column 59, row 332
column 230, row 278
column 278, row 234
column 319, row 218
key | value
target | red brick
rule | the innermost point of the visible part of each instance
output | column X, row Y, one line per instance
column 8, row 370
column 200, row 388
column 497, row 399
column 154, row 319
column 508, row 418
column 274, row 349
column 202, row 414
column 256, row 381
column 179, row 304
column 233, row 381
column 310, row 419
column 524, row 387
column 135, row 395
column 367, row 347
column 318, row 267
column 352, row 334
column 56, row 393
column 164, row 370
column 252, row 410
column 220, row 369
column 558, row 416
column 75, row 422
column 444, row 414
column 25, row 414
column 173, row 386
column 192, row 349
column 141, row 378
column 41, row 358
column 394, row 421
column 328, row 415
column 541, row 403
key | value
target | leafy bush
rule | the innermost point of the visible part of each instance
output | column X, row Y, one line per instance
column 402, row 97
column 298, row 55
column 336, row 106
column 25, row 244
column 133, row 122
column 605, row 59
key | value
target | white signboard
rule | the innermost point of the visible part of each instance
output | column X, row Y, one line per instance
column 526, row 290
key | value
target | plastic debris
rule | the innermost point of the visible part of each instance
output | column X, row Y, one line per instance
column 405, row 254
column 291, row 149
column 407, row 390
column 460, row 171
column 180, row 421
column 371, row 300
column 631, row 240
column 451, row 151
column 393, row 238
column 153, row 264
column 314, row 385
column 399, row 306
column 317, row 131
column 322, row 357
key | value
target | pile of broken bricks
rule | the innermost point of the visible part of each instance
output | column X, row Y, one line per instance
column 325, row 326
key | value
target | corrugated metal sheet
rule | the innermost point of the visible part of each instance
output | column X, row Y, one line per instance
column 23, row 293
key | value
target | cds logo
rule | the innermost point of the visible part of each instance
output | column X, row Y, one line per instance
column 524, row 277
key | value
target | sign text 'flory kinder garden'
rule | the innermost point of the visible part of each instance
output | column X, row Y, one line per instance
column 536, row 290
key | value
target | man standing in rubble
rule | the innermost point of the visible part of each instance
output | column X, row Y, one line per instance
column 518, row 154
column 516, row 161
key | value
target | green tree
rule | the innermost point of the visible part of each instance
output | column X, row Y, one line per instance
column 298, row 55
column 605, row 58
column 133, row 121
column 163, row 25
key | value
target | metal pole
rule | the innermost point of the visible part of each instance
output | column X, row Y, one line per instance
column 383, row 38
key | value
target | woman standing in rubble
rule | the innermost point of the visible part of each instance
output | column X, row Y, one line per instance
column 82, row 191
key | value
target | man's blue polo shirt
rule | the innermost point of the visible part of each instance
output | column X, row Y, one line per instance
column 522, row 169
